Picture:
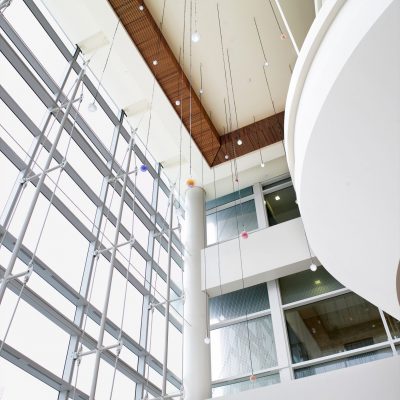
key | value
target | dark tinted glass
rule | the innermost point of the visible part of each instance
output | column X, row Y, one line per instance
column 332, row 326
column 281, row 206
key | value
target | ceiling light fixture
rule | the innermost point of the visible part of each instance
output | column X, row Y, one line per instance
column 262, row 164
column 155, row 62
column 239, row 142
column 195, row 37
column 201, row 91
column 226, row 157
column 277, row 198
column 313, row 267
column 178, row 102
column 141, row 7
column 266, row 63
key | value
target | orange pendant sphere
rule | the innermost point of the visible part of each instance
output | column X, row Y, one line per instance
column 190, row 182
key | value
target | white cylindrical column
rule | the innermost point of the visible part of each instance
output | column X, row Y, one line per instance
column 196, row 353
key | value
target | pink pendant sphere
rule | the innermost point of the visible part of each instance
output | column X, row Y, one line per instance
column 244, row 235
column 252, row 378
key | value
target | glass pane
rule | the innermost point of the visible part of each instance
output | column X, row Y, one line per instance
column 343, row 363
column 332, row 326
column 394, row 326
column 307, row 284
column 229, row 197
column 231, row 221
column 245, row 385
column 230, row 345
column 16, row 384
column 281, row 206
column 239, row 303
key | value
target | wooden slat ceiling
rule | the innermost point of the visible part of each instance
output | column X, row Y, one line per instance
column 254, row 136
column 147, row 37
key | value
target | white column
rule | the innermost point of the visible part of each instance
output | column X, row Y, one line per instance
column 196, row 353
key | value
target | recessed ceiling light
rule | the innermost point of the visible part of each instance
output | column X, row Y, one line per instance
column 141, row 7
column 239, row 142
column 178, row 102
column 155, row 62
column 277, row 198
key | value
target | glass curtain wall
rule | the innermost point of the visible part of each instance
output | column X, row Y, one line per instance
column 326, row 327
column 50, row 315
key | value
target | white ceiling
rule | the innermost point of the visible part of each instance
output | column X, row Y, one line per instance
column 129, row 81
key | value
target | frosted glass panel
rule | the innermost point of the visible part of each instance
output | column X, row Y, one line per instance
column 234, row 348
column 231, row 221
column 239, row 303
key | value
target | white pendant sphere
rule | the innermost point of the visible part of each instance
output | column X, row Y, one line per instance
column 92, row 107
column 313, row 267
column 262, row 165
column 195, row 37
column 207, row 340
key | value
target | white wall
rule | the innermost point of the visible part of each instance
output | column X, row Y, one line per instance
column 342, row 135
column 371, row 381
column 267, row 254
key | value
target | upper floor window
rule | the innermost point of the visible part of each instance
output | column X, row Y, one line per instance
column 280, row 202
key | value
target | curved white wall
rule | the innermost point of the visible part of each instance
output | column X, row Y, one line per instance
column 343, row 142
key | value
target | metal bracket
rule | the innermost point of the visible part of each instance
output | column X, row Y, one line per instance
column 164, row 231
column 29, row 178
column 63, row 105
column 130, row 242
column 154, row 305
column 79, row 354
column 4, row 4
column 26, row 274
column 115, row 178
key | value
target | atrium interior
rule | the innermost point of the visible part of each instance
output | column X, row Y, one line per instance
column 199, row 199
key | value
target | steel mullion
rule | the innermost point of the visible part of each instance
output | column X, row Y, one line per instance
column 36, row 370
column 76, row 222
column 144, row 325
column 93, row 90
column 71, row 328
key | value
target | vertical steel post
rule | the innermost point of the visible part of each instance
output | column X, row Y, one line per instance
column 167, row 304
column 25, row 225
column 110, row 275
column 11, row 204
column 90, row 260
column 144, row 326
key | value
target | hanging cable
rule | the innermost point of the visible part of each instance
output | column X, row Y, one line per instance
column 283, row 36
column 92, row 106
column 144, row 167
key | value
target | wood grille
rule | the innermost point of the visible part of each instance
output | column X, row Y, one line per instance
column 147, row 38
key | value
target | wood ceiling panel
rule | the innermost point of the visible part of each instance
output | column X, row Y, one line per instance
column 145, row 34
column 255, row 136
